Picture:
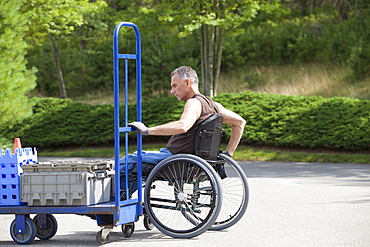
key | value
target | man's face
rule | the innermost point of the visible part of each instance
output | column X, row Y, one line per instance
column 180, row 88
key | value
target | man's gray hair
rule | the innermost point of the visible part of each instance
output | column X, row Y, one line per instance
column 186, row 72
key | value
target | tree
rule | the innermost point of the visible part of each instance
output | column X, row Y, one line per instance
column 214, row 19
column 15, row 79
column 57, row 18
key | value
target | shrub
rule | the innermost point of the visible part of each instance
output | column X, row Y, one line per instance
column 297, row 121
column 278, row 120
column 64, row 124
column 61, row 122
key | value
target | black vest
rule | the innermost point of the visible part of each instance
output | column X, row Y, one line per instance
column 184, row 143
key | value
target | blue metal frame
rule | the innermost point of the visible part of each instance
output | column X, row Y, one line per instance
column 117, row 126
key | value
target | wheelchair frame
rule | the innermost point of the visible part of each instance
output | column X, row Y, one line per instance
column 229, row 187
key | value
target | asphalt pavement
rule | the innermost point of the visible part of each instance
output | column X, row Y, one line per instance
column 291, row 204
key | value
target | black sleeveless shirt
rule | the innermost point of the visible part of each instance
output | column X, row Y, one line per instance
column 184, row 143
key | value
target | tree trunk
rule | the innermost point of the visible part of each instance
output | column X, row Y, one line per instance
column 211, row 49
column 207, row 59
column 206, row 62
column 62, row 87
column 303, row 5
column 343, row 10
column 217, row 60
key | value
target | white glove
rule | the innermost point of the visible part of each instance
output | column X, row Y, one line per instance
column 139, row 126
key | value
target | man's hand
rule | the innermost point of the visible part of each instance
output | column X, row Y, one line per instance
column 139, row 126
column 226, row 153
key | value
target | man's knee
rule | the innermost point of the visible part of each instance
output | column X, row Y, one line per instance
column 147, row 168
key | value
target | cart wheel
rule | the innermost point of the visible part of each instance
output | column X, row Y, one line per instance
column 26, row 237
column 128, row 229
column 147, row 223
column 100, row 239
column 48, row 231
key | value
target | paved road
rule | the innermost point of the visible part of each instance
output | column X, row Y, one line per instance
column 291, row 204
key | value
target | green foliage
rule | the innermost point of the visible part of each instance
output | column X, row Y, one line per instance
column 195, row 13
column 61, row 122
column 163, row 110
column 161, row 55
column 360, row 60
column 56, row 20
column 59, row 16
column 278, row 35
column 273, row 120
column 15, row 80
column 308, row 122
column 5, row 143
column 278, row 41
column 44, row 105
column 284, row 39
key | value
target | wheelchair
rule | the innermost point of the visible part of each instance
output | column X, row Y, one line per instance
column 187, row 194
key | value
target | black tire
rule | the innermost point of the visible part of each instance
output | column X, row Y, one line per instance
column 49, row 230
column 183, row 196
column 28, row 236
column 235, row 193
column 128, row 230
column 148, row 223
column 100, row 239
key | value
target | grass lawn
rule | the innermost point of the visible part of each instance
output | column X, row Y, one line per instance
column 243, row 152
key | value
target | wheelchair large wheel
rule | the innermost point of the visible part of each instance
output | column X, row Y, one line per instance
column 183, row 196
column 235, row 195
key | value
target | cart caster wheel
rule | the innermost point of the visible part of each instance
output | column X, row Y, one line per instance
column 48, row 230
column 26, row 237
column 100, row 239
column 148, row 223
column 128, row 230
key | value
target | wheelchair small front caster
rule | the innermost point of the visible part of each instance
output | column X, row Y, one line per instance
column 148, row 223
column 128, row 229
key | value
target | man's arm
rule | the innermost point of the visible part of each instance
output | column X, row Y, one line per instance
column 237, row 127
column 191, row 113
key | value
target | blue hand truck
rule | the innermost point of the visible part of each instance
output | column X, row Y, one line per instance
column 109, row 214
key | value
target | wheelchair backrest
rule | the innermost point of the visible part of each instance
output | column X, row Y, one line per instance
column 208, row 137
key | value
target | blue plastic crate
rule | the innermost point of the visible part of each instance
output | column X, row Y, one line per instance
column 9, row 178
column 9, row 168
column 10, row 194
column 10, row 171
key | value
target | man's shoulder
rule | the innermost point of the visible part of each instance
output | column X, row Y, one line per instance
column 201, row 97
column 193, row 100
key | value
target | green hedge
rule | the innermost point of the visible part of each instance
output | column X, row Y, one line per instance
column 308, row 122
column 278, row 120
column 61, row 122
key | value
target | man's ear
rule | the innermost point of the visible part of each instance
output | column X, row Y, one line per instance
column 188, row 83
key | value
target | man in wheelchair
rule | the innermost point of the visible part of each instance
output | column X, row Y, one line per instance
column 184, row 85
